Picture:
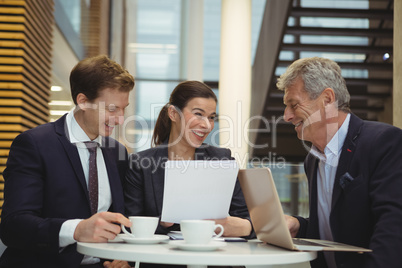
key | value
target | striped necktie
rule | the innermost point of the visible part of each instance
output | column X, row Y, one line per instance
column 93, row 176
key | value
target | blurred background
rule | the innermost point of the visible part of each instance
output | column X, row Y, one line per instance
column 164, row 42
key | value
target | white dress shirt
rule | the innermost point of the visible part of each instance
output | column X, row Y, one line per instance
column 327, row 166
column 78, row 136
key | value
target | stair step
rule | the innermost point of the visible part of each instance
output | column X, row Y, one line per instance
column 337, row 48
column 297, row 30
column 381, row 14
column 383, row 66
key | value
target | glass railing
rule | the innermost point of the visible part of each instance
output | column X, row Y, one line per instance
column 292, row 186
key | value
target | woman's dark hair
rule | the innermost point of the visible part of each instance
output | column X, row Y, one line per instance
column 181, row 95
column 92, row 75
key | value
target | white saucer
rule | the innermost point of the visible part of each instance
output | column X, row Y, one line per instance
column 213, row 245
column 135, row 240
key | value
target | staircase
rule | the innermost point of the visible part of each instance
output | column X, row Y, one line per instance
column 359, row 38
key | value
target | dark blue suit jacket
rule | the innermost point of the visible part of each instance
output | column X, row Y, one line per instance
column 146, row 177
column 367, row 196
column 44, row 187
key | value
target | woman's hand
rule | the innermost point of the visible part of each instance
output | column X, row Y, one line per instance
column 116, row 264
column 235, row 226
column 166, row 224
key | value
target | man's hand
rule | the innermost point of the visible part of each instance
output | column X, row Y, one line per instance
column 100, row 227
column 235, row 226
column 116, row 264
column 293, row 225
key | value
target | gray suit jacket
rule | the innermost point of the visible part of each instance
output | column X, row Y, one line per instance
column 144, row 183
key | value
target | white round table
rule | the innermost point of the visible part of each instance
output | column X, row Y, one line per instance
column 252, row 253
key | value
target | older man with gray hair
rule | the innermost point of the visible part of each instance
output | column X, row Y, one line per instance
column 353, row 168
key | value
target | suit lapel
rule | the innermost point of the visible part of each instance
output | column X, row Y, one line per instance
column 157, row 174
column 347, row 153
column 71, row 151
column 114, row 180
column 201, row 153
column 311, row 172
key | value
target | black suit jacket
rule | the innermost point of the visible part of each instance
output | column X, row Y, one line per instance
column 367, row 196
column 44, row 187
column 145, row 183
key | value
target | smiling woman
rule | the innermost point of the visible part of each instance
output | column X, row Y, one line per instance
column 185, row 122
column 180, row 131
column 184, row 93
column 191, row 126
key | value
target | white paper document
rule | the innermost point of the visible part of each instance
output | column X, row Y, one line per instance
column 197, row 190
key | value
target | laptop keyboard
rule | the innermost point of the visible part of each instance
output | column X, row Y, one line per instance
column 302, row 242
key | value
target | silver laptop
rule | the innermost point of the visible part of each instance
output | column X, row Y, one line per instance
column 268, row 218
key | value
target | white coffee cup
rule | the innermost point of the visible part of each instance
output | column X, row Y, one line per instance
column 199, row 231
column 142, row 227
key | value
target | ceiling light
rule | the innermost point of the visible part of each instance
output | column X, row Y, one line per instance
column 60, row 103
column 53, row 112
column 56, row 88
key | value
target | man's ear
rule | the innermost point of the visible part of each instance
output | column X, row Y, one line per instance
column 328, row 96
column 82, row 101
column 172, row 113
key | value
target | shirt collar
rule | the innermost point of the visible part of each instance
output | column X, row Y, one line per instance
column 334, row 147
column 76, row 134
